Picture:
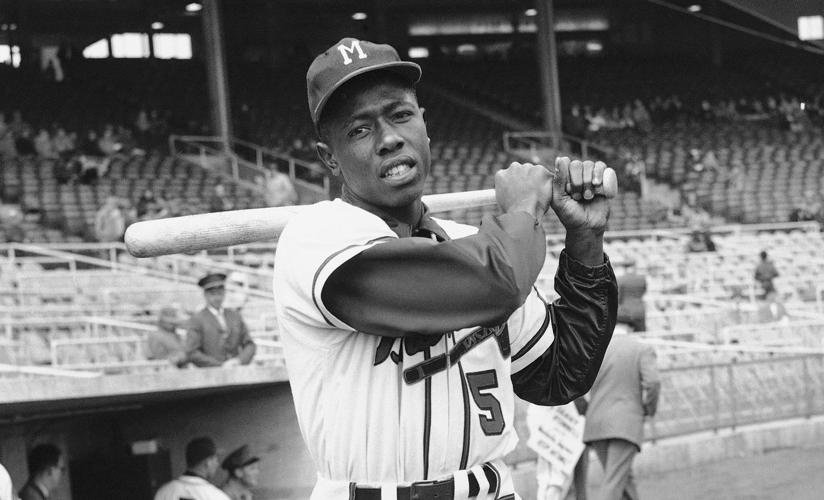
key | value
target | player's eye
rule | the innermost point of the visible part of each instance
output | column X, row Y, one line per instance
column 358, row 131
column 402, row 115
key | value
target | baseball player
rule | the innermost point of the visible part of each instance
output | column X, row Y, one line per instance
column 407, row 337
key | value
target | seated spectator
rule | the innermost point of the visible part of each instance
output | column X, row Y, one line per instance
column 7, row 147
column 278, row 189
column 90, row 146
column 24, row 144
column 146, row 204
column 110, row 221
column 64, row 143
column 164, row 343
column 809, row 209
column 109, row 143
column 219, row 201
column 700, row 241
column 44, row 146
column 46, row 466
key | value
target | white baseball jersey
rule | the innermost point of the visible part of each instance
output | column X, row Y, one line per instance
column 381, row 410
column 190, row 488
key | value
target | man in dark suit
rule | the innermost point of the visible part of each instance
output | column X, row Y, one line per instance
column 218, row 336
column 46, row 465
column 625, row 391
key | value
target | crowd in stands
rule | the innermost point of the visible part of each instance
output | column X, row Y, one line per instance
column 785, row 111
column 79, row 158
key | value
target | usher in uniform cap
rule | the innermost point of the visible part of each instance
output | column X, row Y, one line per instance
column 347, row 59
column 241, row 457
column 212, row 280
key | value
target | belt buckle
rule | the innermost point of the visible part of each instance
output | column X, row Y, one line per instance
column 432, row 490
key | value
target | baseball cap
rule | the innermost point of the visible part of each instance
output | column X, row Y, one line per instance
column 241, row 457
column 347, row 59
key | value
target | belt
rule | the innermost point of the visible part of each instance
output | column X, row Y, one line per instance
column 432, row 490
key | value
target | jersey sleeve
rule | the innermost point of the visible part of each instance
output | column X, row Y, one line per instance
column 530, row 331
column 312, row 246
column 557, row 361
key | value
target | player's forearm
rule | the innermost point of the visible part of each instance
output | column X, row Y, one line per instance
column 417, row 286
column 583, row 319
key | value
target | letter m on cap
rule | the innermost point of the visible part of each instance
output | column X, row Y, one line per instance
column 346, row 51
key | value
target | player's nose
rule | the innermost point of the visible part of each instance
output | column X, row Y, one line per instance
column 389, row 141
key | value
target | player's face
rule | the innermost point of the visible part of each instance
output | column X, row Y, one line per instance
column 378, row 142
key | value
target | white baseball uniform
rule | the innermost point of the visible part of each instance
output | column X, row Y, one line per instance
column 384, row 411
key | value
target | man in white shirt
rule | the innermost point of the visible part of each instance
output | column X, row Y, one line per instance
column 194, row 484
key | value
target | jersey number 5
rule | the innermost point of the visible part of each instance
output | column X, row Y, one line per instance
column 492, row 425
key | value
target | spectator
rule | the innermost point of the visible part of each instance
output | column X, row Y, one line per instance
column 110, row 221
column 765, row 273
column 194, row 484
column 46, row 466
column 164, row 343
column 641, row 117
column 575, row 123
column 219, row 202
column 624, row 393
column 109, row 144
column 146, row 204
column 218, row 336
column 24, row 144
column 44, row 146
column 631, row 307
column 808, row 210
column 90, row 146
column 700, row 241
column 278, row 190
column 6, row 488
column 7, row 147
column 64, row 143
column 243, row 471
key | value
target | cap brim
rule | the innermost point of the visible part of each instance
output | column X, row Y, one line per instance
column 406, row 69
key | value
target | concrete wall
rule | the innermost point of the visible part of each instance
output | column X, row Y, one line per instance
column 262, row 417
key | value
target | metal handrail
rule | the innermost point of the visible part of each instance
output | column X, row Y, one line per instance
column 258, row 166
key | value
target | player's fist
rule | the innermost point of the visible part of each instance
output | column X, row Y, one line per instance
column 580, row 197
column 524, row 187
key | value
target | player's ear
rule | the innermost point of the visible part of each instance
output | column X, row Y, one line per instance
column 327, row 157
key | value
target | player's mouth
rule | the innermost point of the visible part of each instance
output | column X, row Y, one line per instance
column 399, row 171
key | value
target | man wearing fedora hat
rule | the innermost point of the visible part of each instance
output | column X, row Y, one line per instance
column 243, row 471
column 218, row 336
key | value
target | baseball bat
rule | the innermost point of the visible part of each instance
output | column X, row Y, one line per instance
column 193, row 233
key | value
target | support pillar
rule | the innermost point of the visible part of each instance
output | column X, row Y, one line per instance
column 216, row 71
column 548, row 66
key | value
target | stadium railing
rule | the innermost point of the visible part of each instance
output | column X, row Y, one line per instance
column 242, row 161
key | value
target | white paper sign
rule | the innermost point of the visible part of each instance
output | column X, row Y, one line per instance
column 555, row 433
